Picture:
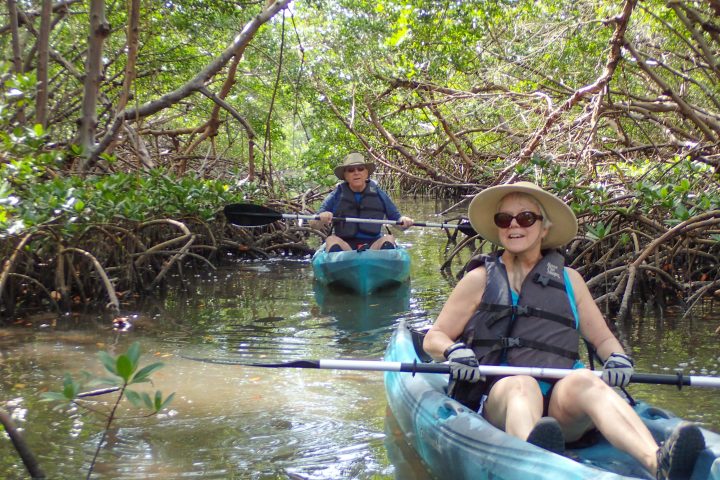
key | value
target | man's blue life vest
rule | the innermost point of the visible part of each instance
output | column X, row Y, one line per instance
column 370, row 206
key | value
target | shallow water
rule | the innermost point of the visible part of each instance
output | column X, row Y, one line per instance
column 250, row 423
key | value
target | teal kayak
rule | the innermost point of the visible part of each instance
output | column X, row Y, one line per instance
column 455, row 442
column 363, row 272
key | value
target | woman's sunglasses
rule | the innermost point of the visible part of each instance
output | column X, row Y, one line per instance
column 524, row 219
column 354, row 169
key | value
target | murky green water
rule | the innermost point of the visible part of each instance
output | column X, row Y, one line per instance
column 235, row 422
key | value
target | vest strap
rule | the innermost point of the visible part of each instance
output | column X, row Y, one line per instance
column 516, row 342
column 546, row 281
column 501, row 311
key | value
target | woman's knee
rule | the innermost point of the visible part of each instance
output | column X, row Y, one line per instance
column 580, row 381
column 518, row 386
column 518, row 397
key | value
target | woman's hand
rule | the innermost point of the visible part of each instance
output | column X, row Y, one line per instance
column 618, row 369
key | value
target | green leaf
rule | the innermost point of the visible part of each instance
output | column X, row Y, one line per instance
column 682, row 212
column 133, row 397
column 124, row 367
column 108, row 362
column 167, row 401
column 70, row 387
column 133, row 354
column 146, row 400
column 598, row 231
column 52, row 397
column 105, row 381
column 144, row 373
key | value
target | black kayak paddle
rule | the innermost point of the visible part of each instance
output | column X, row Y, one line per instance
column 251, row 215
column 678, row 379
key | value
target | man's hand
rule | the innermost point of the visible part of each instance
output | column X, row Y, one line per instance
column 406, row 222
column 325, row 218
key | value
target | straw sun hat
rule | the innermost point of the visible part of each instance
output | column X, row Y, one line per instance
column 352, row 160
column 484, row 207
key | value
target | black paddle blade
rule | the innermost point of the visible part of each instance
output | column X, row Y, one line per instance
column 466, row 229
column 250, row 215
column 242, row 363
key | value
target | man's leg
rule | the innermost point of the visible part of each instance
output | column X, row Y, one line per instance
column 336, row 242
column 378, row 244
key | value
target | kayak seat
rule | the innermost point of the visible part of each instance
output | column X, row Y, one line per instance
column 655, row 413
column 418, row 335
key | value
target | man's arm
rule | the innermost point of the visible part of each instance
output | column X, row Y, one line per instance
column 330, row 202
column 391, row 211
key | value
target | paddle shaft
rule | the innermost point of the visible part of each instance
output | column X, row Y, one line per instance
column 678, row 380
column 291, row 216
column 498, row 370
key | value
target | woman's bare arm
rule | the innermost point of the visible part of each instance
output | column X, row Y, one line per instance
column 459, row 307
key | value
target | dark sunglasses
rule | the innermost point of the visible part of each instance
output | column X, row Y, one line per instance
column 524, row 219
column 354, row 169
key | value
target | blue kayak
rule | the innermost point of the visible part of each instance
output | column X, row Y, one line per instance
column 455, row 442
column 364, row 271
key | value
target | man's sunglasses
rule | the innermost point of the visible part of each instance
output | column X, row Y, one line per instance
column 354, row 169
column 524, row 219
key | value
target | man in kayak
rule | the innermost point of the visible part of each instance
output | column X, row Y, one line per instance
column 521, row 306
column 359, row 197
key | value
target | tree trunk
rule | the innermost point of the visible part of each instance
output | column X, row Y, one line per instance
column 16, row 47
column 27, row 456
column 131, row 43
column 42, row 66
column 99, row 30
column 132, row 46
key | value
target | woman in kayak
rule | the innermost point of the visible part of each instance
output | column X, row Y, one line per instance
column 521, row 306
column 359, row 197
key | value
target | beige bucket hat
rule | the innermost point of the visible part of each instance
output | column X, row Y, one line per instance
column 483, row 208
column 353, row 159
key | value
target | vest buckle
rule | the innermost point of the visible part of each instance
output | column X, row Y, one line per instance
column 543, row 280
column 518, row 310
column 509, row 342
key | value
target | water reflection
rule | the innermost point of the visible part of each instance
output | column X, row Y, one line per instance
column 361, row 323
column 354, row 312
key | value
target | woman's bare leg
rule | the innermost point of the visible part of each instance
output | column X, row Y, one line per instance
column 582, row 399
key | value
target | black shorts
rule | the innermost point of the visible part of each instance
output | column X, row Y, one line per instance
column 360, row 243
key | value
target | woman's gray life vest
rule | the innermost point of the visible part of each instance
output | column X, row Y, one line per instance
column 540, row 331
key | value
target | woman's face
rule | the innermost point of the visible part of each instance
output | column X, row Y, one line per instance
column 516, row 239
column 356, row 176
